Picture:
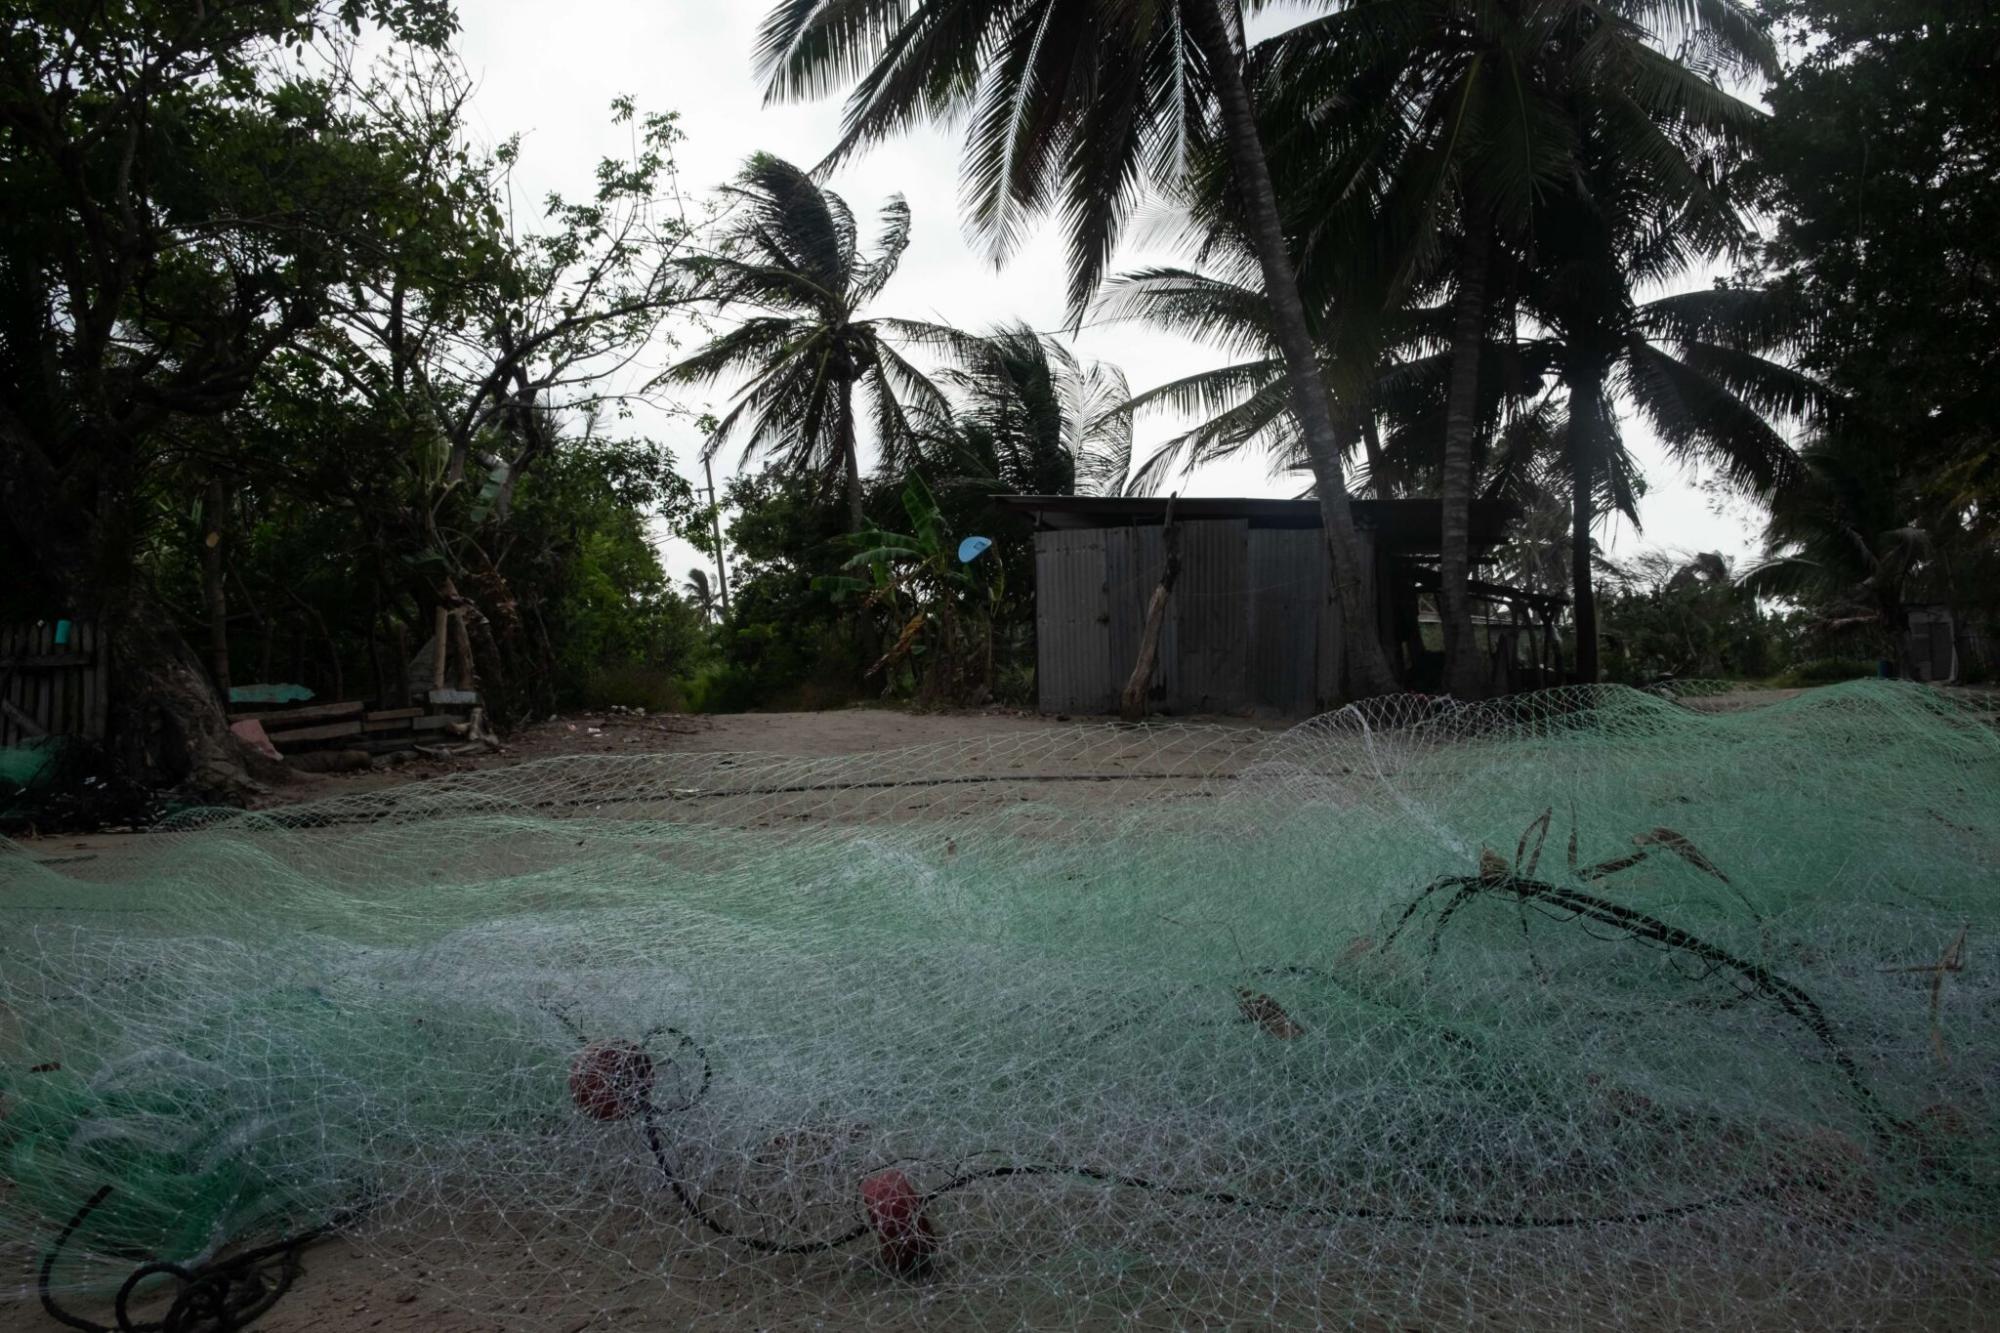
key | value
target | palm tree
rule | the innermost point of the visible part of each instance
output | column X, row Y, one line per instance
column 1702, row 367
column 1076, row 105
column 1391, row 371
column 701, row 592
column 1845, row 538
column 793, row 254
column 1502, row 115
column 1033, row 418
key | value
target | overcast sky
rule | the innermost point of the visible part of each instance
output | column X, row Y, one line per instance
column 549, row 71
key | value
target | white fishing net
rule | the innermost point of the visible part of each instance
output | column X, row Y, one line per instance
column 1581, row 1010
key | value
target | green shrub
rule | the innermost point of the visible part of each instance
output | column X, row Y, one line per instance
column 1823, row 671
column 720, row 687
column 1014, row 684
column 634, row 686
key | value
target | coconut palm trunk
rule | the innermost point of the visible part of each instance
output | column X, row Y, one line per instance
column 856, row 515
column 1585, row 439
column 1368, row 667
column 1464, row 673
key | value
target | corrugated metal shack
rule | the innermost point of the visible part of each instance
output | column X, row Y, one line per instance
column 1252, row 625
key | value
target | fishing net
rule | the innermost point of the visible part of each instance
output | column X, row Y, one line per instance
column 1578, row 1010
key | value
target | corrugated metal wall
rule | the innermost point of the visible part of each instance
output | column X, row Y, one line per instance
column 1252, row 624
column 1072, row 623
column 1288, row 591
column 1133, row 559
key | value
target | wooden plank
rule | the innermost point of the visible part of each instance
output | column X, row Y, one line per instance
column 61, row 715
column 459, row 698
column 27, row 725
column 86, row 644
column 61, row 657
column 391, row 714
column 305, row 735
column 287, row 717
column 386, row 724
column 45, row 684
column 100, row 717
column 29, row 700
column 21, row 691
column 435, row 722
column 7, row 679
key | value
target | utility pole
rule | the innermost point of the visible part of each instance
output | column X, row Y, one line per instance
column 715, row 513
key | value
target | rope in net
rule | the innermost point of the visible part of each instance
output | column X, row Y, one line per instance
column 1575, row 1010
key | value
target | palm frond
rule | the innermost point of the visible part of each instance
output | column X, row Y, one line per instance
column 807, row 48
column 1698, row 418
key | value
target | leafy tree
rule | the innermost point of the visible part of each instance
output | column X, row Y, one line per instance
column 1670, row 615
column 788, row 636
column 1877, row 170
column 1077, row 106
column 588, row 589
column 451, row 372
column 793, row 254
column 179, row 200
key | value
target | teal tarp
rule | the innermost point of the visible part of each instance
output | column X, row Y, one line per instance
column 21, row 765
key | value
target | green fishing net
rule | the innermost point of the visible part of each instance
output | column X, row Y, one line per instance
column 1579, row 1010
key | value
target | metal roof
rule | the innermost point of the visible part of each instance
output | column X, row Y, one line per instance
column 1407, row 527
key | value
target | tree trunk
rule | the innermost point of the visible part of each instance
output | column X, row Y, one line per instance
column 461, row 642
column 1134, row 701
column 1585, row 413
column 1368, row 664
column 441, row 636
column 870, row 642
column 1465, row 676
column 159, row 673
column 153, row 669
column 715, row 516
column 212, row 507
column 856, row 516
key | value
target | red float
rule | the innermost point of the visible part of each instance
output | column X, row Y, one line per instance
column 896, row 1211
column 611, row 1080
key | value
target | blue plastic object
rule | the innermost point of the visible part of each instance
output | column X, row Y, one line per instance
column 972, row 548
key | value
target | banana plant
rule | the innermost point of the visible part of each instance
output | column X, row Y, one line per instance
column 944, row 605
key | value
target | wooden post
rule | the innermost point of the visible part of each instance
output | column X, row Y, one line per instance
column 461, row 640
column 212, row 506
column 44, row 698
column 442, row 637
column 1132, row 705
column 715, row 513
column 100, row 667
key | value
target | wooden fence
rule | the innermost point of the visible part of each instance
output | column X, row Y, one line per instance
column 49, row 688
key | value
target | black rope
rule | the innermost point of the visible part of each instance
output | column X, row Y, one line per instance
column 691, row 1204
column 1794, row 1002
column 222, row 1296
column 307, row 818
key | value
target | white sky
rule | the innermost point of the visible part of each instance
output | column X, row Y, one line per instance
column 549, row 73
